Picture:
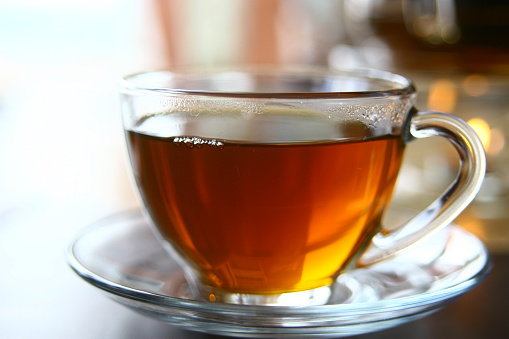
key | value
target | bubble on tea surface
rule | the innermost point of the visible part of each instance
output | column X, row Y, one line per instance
column 195, row 142
column 376, row 115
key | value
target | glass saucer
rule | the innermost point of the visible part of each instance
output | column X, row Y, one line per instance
column 121, row 256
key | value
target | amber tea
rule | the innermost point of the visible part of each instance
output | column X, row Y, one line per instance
column 265, row 217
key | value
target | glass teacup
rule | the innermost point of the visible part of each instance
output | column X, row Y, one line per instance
column 268, row 182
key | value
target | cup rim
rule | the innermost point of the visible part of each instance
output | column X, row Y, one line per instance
column 402, row 86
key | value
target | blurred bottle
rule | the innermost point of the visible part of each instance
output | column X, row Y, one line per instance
column 218, row 32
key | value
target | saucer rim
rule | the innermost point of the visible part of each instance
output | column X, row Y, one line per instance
column 168, row 301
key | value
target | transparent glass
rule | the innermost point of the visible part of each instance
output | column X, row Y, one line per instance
column 267, row 183
column 121, row 256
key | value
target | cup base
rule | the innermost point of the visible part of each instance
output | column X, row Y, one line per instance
column 317, row 296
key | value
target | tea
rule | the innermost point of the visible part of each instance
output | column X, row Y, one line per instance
column 260, row 217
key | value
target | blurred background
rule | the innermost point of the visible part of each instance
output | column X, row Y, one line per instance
column 61, row 143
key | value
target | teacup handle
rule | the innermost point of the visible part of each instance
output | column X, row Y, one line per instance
column 452, row 202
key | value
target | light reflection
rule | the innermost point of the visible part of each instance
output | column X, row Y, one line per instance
column 476, row 85
column 423, row 26
column 492, row 139
column 497, row 141
column 482, row 129
column 442, row 96
column 434, row 21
